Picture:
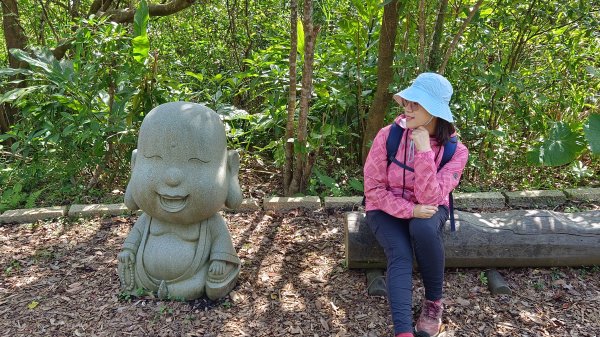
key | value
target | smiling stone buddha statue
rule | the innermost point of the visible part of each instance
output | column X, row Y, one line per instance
column 181, row 176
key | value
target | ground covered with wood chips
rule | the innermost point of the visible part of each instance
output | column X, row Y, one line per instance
column 59, row 279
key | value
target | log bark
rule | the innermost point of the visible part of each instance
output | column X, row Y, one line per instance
column 523, row 238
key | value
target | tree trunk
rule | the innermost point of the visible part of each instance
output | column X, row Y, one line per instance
column 301, row 162
column 15, row 39
column 383, row 97
column 435, row 55
column 289, row 130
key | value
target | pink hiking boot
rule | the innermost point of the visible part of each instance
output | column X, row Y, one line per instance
column 430, row 319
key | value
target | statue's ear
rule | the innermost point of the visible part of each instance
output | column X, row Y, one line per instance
column 133, row 157
column 234, row 192
column 129, row 202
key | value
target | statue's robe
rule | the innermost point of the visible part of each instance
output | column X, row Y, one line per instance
column 180, row 256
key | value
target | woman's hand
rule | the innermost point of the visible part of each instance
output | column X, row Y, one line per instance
column 420, row 137
column 424, row 211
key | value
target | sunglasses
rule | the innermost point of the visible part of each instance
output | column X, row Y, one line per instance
column 409, row 104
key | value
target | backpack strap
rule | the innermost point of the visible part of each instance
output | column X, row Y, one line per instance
column 391, row 148
column 449, row 149
column 393, row 142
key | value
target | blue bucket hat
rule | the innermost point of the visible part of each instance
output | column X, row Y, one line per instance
column 433, row 92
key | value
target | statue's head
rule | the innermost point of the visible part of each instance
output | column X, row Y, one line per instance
column 181, row 170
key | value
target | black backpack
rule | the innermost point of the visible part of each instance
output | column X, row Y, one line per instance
column 393, row 143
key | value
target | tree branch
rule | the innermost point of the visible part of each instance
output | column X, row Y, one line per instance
column 45, row 14
column 421, row 23
column 458, row 36
column 171, row 7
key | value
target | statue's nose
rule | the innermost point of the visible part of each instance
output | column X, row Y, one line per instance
column 173, row 176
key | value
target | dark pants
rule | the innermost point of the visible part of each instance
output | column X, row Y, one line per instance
column 400, row 238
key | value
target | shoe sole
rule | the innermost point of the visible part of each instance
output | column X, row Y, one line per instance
column 423, row 333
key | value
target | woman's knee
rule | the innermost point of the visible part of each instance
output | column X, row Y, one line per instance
column 425, row 229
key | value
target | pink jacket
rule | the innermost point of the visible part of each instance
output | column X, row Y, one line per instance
column 395, row 190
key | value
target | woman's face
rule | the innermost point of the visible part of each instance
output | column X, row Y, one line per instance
column 415, row 114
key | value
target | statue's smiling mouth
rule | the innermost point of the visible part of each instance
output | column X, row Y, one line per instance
column 172, row 203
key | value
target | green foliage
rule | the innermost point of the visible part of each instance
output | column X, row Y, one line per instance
column 483, row 278
column 539, row 285
column 79, row 115
column 522, row 82
column 13, row 267
column 124, row 296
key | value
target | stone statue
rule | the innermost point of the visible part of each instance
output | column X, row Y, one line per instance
column 181, row 176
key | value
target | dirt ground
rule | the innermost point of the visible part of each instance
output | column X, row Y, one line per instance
column 58, row 278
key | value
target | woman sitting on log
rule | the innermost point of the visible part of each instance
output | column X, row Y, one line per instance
column 407, row 199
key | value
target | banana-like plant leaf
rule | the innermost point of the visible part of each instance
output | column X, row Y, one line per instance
column 300, row 38
column 141, row 47
column 140, row 42
column 140, row 20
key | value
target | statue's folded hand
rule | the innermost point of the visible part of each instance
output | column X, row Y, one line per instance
column 126, row 256
column 217, row 267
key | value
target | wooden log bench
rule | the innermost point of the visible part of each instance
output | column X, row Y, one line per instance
column 520, row 238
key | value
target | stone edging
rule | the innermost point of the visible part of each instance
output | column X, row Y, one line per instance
column 465, row 201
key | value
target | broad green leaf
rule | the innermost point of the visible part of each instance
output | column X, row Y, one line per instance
column 561, row 147
column 140, row 42
column 33, row 304
column 300, row 38
column 356, row 184
column 12, row 72
column 534, row 157
column 140, row 20
column 592, row 133
column 199, row 77
column 141, row 47
column 486, row 12
column 18, row 93
column 326, row 180
column 23, row 56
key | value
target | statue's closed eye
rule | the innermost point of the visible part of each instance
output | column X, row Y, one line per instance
column 155, row 157
column 197, row 160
